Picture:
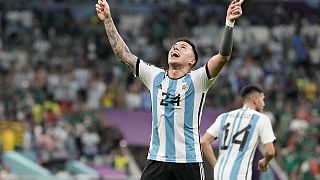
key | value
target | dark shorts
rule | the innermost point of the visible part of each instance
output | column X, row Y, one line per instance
column 156, row 170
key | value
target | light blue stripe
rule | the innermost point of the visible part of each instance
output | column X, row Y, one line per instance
column 236, row 123
column 188, row 121
column 155, row 135
column 238, row 161
column 169, row 122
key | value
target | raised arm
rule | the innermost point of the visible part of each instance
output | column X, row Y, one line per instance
column 216, row 63
column 119, row 47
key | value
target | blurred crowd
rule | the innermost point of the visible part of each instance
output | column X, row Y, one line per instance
column 58, row 73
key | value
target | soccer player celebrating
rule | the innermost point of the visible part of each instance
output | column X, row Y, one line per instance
column 177, row 98
column 240, row 132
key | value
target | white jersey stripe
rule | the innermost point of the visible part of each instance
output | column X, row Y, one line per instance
column 155, row 141
column 161, row 156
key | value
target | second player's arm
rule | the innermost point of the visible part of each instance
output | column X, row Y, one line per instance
column 268, row 155
column 118, row 45
column 269, row 151
column 206, row 144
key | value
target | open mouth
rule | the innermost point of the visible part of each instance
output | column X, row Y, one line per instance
column 175, row 54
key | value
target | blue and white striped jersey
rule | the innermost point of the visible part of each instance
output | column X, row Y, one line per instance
column 240, row 131
column 176, row 112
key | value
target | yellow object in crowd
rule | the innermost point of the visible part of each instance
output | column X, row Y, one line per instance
column 120, row 162
column 8, row 140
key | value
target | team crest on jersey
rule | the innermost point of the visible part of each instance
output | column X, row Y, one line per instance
column 184, row 86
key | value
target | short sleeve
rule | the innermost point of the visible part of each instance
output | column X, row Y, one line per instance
column 266, row 132
column 202, row 78
column 214, row 129
column 146, row 72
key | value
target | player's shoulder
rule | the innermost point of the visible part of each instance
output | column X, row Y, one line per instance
column 150, row 65
column 229, row 113
column 260, row 115
column 233, row 112
column 198, row 70
column 146, row 63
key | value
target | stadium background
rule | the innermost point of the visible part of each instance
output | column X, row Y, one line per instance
column 67, row 105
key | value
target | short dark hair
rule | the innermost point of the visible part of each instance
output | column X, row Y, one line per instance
column 193, row 48
column 249, row 89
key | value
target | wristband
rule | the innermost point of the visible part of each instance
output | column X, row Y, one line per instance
column 229, row 23
column 226, row 41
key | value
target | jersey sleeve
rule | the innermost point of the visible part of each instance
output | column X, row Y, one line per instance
column 214, row 129
column 266, row 132
column 202, row 79
column 146, row 72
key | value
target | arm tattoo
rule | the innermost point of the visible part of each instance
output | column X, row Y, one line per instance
column 119, row 47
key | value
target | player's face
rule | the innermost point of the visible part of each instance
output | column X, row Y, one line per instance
column 259, row 102
column 181, row 54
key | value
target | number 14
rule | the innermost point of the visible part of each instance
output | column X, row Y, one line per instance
column 234, row 137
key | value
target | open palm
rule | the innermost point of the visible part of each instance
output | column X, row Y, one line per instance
column 103, row 10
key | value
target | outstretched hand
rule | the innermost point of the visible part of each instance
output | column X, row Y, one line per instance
column 103, row 10
column 234, row 11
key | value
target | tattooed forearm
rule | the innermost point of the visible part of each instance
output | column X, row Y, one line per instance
column 119, row 47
